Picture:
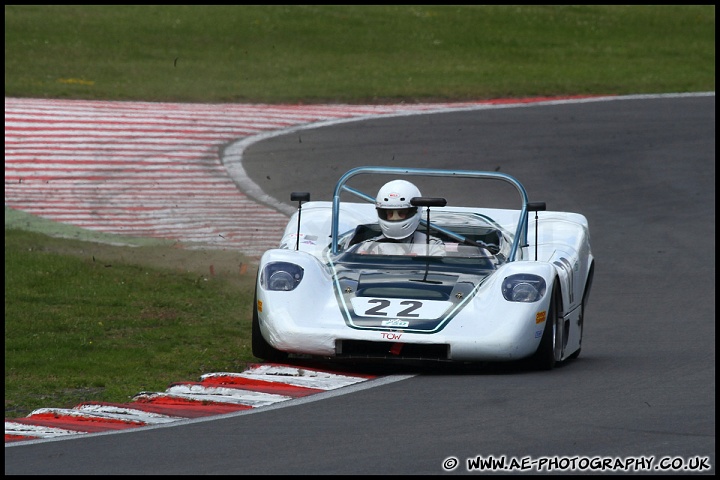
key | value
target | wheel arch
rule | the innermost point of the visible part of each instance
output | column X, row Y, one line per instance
column 588, row 283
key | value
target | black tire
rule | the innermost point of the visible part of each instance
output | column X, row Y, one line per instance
column 581, row 322
column 260, row 348
column 586, row 295
column 550, row 350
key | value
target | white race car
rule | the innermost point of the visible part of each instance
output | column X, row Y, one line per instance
column 504, row 285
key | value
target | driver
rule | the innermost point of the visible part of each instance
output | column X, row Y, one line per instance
column 398, row 221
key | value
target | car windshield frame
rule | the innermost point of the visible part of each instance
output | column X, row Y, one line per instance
column 472, row 265
column 519, row 238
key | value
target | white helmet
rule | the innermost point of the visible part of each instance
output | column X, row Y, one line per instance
column 397, row 217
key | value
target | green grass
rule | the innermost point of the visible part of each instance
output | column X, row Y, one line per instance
column 93, row 321
column 355, row 53
column 98, row 317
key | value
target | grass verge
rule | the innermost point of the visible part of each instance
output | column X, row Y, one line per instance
column 94, row 321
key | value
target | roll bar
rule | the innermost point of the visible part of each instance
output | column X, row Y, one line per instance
column 519, row 241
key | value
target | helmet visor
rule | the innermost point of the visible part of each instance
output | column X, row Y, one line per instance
column 396, row 214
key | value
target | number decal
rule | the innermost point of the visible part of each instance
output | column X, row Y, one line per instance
column 414, row 305
column 382, row 304
column 377, row 310
column 400, row 308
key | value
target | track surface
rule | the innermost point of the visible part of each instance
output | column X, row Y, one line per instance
column 643, row 172
column 160, row 170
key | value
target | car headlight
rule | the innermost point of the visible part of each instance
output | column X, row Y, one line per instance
column 281, row 276
column 523, row 288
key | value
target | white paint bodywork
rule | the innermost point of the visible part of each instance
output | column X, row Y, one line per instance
column 487, row 327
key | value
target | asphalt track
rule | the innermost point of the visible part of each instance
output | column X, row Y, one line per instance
column 641, row 169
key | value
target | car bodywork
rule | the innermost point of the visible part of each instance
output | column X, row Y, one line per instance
column 505, row 287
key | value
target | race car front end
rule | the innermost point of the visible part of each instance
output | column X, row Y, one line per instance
column 407, row 311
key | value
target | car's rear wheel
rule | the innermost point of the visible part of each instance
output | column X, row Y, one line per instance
column 260, row 348
column 550, row 350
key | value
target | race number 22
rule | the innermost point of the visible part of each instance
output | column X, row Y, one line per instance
column 383, row 305
column 399, row 308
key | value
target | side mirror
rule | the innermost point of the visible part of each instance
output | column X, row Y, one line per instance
column 427, row 202
column 299, row 197
column 536, row 207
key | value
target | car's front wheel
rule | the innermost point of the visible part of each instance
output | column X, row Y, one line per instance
column 550, row 350
column 260, row 348
column 581, row 322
